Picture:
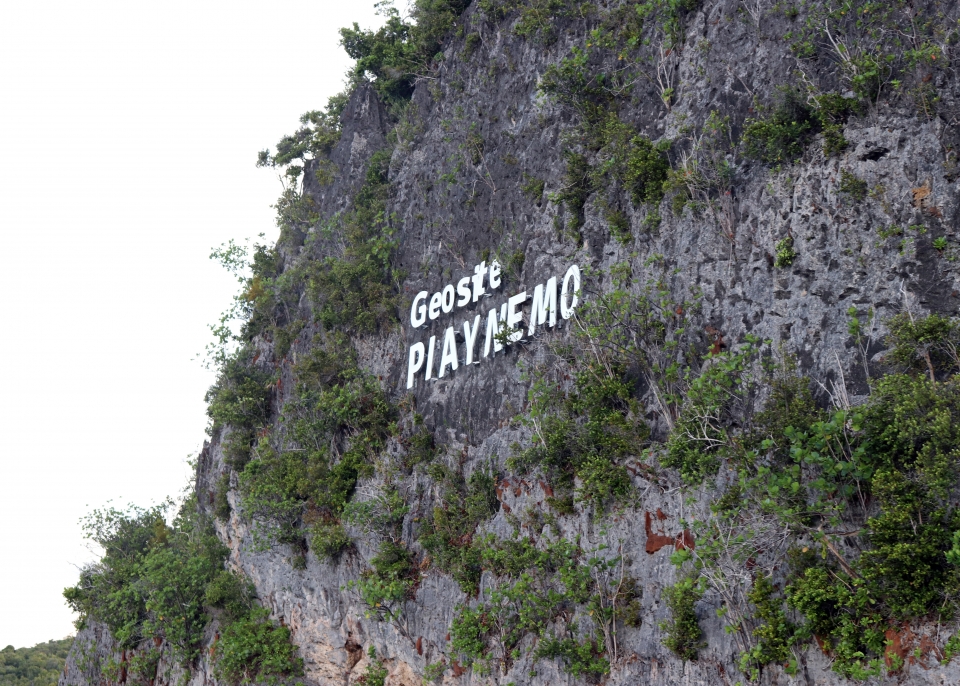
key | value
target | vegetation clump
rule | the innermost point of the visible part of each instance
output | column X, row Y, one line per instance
column 683, row 634
column 40, row 665
column 157, row 581
column 448, row 533
column 785, row 253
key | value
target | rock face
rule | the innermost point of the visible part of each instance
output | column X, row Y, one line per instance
column 464, row 152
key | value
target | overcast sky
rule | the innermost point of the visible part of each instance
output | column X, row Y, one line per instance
column 128, row 136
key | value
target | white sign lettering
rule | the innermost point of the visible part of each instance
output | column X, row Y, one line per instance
column 502, row 325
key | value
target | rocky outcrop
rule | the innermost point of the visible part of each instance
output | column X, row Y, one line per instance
column 456, row 206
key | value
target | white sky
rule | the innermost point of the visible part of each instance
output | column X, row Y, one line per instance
column 128, row 136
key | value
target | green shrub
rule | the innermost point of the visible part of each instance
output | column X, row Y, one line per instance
column 381, row 515
column 376, row 674
column 646, row 171
column 421, row 447
column 853, row 186
column 774, row 634
column 785, row 253
column 785, row 130
column 255, row 649
column 576, row 87
column 535, row 587
column 790, row 404
column 447, row 534
column 683, row 633
column 236, row 445
column 602, row 481
column 221, row 505
column 328, row 540
column 577, row 187
column 926, row 343
column 229, row 592
column 471, row 43
column 619, row 226
column 715, row 397
column 533, row 187
column 582, row 432
column 241, row 396
column 839, row 610
column 468, row 634
column 582, row 659
column 157, row 581
column 388, row 584
column 334, row 427
column 399, row 51
column 899, row 450
column 355, row 290
column 781, row 135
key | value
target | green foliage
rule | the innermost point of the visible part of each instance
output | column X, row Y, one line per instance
column 468, row 634
column 421, row 446
column 328, row 540
column 376, row 674
column 333, row 428
column 395, row 54
column 905, row 566
column 580, row 658
column 683, row 633
column 602, row 481
column 774, row 634
column 715, row 397
column 927, row 343
column 388, row 584
column 267, row 294
column 533, row 187
column 790, row 404
column 319, row 133
column 255, row 649
column 646, row 171
column 839, row 610
column 785, row 253
column 788, row 126
column 619, row 226
column 668, row 14
column 229, row 592
column 111, row 591
column 584, row 91
column 895, row 455
column 355, row 290
column 40, row 665
column 853, row 186
column 535, row 588
column 221, row 505
column 781, row 135
column 390, row 580
column 536, row 19
column 447, row 535
column 161, row 582
column 434, row 671
column 470, row 44
column 832, row 111
column 381, row 515
column 876, row 49
column 581, row 431
column 577, row 187
column 241, row 396
column 704, row 175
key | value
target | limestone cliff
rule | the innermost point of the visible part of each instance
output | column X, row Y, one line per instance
column 771, row 185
